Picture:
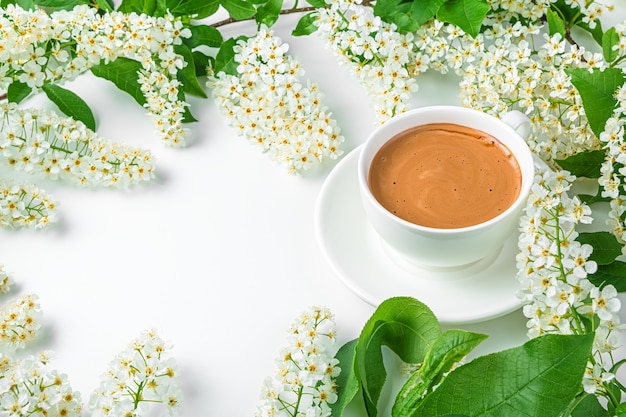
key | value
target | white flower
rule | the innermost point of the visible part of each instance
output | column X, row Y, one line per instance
column 19, row 321
column 304, row 380
column 80, row 38
column 143, row 374
column 6, row 281
column 606, row 305
column 24, row 205
column 553, row 269
column 380, row 57
column 268, row 104
column 49, row 146
column 28, row 387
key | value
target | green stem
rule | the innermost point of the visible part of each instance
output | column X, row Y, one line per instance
column 282, row 12
column 295, row 411
column 573, row 404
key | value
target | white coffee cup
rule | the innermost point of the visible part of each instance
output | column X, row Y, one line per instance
column 433, row 247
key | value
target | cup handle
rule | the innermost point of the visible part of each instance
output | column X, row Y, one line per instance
column 519, row 122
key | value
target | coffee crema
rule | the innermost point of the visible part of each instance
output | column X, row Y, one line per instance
column 444, row 175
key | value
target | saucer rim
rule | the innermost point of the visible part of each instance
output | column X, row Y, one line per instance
column 352, row 283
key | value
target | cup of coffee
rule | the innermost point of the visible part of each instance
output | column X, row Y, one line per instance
column 444, row 186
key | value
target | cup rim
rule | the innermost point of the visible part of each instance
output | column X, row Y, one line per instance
column 527, row 167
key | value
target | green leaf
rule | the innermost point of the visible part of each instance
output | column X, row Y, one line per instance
column 614, row 274
column 225, row 58
column 571, row 16
column 187, row 116
column 448, row 349
column 606, row 247
column 592, row 199
column 203, row 35
column 610, row 38
column 538, row 378
column 201, row 62
column 565, row 11
column 405, row 23
column 18, row 91
column 590, row 407
column 387, row 9
column 466, row 14
column 70, row 104
column 596, row 32
column 52, row 5
column 317, row 3
column 268, row 13
column 149, row 7
column 239, row 9
column 24, row 4
column 129, row 6
column 397, row 12
column 200, row 9
column 306, row 25
column 187, row 75
column 584, row 164
column 423, row 11
column 555, row 23
column 597, row 90
column 105, row 5
column 347, row 382
column 408, row 327
column 123, row 73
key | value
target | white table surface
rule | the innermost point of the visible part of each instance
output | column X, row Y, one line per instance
column 218, row 254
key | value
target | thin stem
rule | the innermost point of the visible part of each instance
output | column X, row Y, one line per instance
column 573, row 404
column 282, row 12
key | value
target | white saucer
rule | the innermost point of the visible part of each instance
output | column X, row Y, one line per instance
column 483, row 291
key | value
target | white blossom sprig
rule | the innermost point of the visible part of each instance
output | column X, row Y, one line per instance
column 20, row 319
column 50, row 146
column 28, row 387
column 382, row 59
column 304, row 383
column 6, row 280
column 553, row 267
column 143, row 374
column 24, row 205
column 37, row 48
column 508, row 67
column 267, row 103
column 513, row 74
column 613, row 170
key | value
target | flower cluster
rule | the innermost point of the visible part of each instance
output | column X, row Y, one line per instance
column 37, row 48
column 513, row 10
column 507, row 67
column 42, row 143
column 269, row 106
column 553, row 273
column 24, row 205
column 613, row 170
column 6, row 281
column 19, row 321
column 502, row 68
column 29, row 388
column 304, row 382
column 511, row 74
column 382, row 59
column 141, row 375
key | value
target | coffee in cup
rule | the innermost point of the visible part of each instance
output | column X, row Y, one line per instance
column 466, row 238
column 444, row 175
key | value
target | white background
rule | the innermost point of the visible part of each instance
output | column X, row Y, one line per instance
column 218, row 253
